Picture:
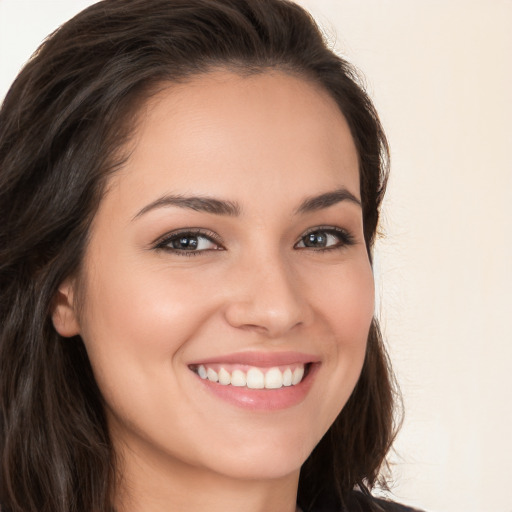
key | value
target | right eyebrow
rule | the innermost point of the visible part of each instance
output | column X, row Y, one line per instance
column 197, row 203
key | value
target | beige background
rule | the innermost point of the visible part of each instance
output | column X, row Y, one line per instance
column 441, row 76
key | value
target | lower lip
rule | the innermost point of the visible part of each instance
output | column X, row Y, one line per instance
column 263, row 399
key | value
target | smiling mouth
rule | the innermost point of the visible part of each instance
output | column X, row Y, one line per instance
column 253, row 377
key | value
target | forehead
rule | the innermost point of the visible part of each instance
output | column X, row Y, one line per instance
column 226, row 134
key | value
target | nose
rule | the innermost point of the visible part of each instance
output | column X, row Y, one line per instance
column 267, row 297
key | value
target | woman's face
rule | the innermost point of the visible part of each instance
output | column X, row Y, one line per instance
column 230, row 246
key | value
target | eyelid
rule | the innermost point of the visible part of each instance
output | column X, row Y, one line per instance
column 161, row 241
column 346, row 237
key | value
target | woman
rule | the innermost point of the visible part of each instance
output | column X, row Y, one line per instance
column 190, row 192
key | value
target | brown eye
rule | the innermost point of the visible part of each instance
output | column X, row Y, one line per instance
column 318, row 239
column 185, row 242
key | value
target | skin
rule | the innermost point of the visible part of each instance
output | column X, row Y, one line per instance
column 267, row 142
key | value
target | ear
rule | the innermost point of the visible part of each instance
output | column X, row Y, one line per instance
column 64, row 316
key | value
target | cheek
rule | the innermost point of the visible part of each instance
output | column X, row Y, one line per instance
column 346, row 301
column 135, row 325
column 140, row 309
column 135, row 328
column 346, row 308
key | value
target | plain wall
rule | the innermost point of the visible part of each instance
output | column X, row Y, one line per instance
column 440, row 75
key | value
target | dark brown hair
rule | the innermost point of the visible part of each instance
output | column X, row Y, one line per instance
column 62, row 126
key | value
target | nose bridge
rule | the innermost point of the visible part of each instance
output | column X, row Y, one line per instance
column 266, row 294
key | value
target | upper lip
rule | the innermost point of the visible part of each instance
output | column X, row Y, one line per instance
column 260, row 359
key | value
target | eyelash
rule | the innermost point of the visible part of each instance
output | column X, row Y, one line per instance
column 345, row 240
column 167, row 239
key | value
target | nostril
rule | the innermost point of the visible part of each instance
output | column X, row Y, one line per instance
column 269, row 319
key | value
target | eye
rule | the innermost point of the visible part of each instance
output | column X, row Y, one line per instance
column 325, row 239
column 187, row 242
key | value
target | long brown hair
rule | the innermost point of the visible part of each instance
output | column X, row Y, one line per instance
column 63, row 125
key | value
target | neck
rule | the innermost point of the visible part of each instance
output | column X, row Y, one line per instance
column 164, row 486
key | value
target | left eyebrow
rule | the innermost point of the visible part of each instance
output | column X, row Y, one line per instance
column 312, row 204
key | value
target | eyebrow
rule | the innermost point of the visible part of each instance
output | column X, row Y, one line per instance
column 314, row 203
column 232, row 208
column 197, row 203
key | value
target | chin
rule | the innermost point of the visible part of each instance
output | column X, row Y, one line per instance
column 266, row 457
column 262, row 468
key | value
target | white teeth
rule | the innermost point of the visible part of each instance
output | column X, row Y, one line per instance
column 202, row 372
column 287, row 377
column 224, row 377
column 298, row 373
column 212, row 375
column 238, row 378
column 274, row 379
column 254, row 378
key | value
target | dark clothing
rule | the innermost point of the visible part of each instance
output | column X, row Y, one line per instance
column 358, row 502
